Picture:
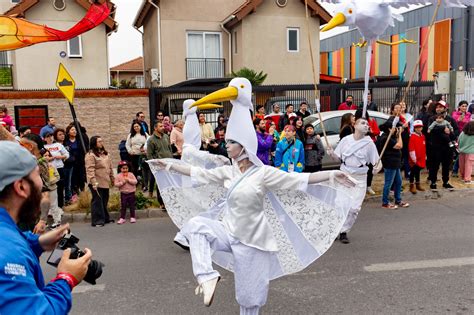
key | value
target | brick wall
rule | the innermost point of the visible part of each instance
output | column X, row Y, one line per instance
column 102, row 112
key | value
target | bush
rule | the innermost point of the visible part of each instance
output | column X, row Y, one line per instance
column 142, row 202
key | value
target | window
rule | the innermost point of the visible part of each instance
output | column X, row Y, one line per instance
column 140, row 80
column 204, row 55
column 332, row 126
column 235, row 43
column 74, row 47
column 293, row 39
column 15, row 1
column 204, row 45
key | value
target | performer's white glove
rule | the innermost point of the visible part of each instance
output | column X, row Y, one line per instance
column 345, row 179
column 377, row 168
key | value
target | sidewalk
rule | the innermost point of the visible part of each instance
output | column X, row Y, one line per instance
column 461, row 190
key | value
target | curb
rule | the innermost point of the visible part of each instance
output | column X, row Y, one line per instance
column 81, row 217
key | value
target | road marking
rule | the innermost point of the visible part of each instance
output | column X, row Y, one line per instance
column 83, row 288
column 421, row 264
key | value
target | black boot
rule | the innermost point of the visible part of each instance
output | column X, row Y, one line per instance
column 343, row 238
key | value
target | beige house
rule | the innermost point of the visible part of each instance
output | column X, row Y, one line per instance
column 190, row 39
column 36, row 67
column 130, row 71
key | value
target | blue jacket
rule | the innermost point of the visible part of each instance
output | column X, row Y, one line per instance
column 294, row 154
column 22, row 289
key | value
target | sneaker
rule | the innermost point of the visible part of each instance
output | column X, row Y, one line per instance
column 121, row 221
column 343, row 238
column 207, row 289
column 389, row 206
column 454, row 175
column 370, row 191
column 448, row 186
column 144, row 189
column 402, row 204
column 133, row 220
column 433, row 186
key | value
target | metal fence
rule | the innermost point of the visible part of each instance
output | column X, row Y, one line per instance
column 204, row 68
column 6, row 75
column 170, row 99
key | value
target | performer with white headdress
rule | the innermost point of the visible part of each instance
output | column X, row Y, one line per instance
column 262, row 223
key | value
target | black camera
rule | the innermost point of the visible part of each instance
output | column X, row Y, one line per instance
column 94, row 270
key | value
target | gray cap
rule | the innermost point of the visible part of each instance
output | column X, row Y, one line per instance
column 16, row 163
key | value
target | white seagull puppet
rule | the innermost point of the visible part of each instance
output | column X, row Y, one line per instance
column 192, row 139
column 240, row 126
column 373, row 17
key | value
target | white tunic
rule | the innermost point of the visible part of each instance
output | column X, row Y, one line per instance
column 356, row 154
column 244, row 217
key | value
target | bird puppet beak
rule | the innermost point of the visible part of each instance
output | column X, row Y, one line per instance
column 207, row 106
column 225, row 94
column 337, row 20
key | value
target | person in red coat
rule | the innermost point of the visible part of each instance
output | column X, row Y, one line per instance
column 348, row 104
column 417, row 156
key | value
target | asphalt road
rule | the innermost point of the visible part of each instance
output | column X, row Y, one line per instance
column 418, row 260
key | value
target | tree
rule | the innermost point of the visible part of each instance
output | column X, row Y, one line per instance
column 251, row 75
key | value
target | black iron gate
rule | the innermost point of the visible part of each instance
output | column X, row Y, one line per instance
column 170, row 100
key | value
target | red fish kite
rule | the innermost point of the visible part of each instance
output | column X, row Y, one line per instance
column 17, row 33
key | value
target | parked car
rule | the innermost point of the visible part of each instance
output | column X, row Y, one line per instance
column 332, row 125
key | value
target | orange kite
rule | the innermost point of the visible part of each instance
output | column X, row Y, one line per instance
column 17, row 33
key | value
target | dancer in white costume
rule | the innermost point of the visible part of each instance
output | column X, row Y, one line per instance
column 355, row 152
column 262, row 223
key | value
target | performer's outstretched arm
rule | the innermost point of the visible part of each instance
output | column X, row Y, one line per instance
column 340, row 176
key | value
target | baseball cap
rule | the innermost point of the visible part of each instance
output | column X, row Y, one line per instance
column 16, row 163
column 442, row 103
column 417, row 123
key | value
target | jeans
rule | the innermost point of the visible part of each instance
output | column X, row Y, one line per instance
column 415, row 174
column 392, row 176
column 68, row 183
column 60, row 185
column 127, row 200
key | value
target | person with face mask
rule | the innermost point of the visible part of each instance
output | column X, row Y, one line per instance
column 348, row 104
column 356, row 152
column 22, row 286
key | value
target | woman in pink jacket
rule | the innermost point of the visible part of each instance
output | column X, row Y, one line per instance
column 462, row 117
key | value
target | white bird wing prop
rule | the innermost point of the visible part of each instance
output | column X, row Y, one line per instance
column 406, row 3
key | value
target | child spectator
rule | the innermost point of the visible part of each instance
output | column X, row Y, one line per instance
column 51, row 177
column 440, row 122
column 289, row 154
column 313, row 150
column 466, row 152
column 127, row 185
column 417, row 156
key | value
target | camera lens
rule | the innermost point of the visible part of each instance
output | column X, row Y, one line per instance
column 94, row 271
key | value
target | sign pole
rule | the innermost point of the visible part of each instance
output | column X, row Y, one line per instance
column 78, row 127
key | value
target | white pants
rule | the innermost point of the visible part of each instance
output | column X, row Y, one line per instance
column 357, row 203
column 54, row 210
column 251, row 266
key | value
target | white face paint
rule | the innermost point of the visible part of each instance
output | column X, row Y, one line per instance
column 362, row 126
column 234, row 149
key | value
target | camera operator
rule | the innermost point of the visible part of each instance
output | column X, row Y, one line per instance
column 22, row 287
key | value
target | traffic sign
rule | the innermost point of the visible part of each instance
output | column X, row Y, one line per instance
column 65, row 83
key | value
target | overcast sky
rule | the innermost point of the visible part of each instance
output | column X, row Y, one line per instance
column 126, row 43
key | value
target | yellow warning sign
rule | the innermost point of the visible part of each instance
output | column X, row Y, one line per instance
column 65, row 83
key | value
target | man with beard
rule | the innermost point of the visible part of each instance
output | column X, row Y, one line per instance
column 265, row 141
column 22, row 285
column 348, row 104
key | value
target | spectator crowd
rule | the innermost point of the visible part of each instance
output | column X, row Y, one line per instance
column 71, row 162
